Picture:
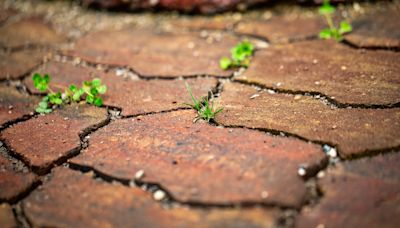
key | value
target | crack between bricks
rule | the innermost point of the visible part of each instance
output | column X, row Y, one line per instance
column 319, row 96
column 20, row 217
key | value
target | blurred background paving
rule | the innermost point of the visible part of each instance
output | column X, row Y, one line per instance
column 309, row 135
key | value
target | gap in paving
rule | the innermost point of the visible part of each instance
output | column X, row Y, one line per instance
column 19, row 215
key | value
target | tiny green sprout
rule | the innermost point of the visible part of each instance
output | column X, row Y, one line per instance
column 205, row 108
column 240, row 56
column 90, row 91
column 327, row 10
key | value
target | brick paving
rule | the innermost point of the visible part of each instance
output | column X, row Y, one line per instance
column 309, row 134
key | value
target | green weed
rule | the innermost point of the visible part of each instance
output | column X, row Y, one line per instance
column 205, row 108
column 89, row 92
column 327, row 10
column 240, row 56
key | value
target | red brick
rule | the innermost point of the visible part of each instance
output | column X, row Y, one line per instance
column 75, row 200
column 48, row 139
column 17, row 64
column 347, row 75
column 14, row 178
column 354, row 131
column 202, row 163
column 282, row 29
column 362, row 193
column 377, row 29
column 151, row 54
column 29, row 31
column 15, row 105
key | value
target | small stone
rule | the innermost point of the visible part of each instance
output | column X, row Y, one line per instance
column 332, row 153
column 264, row 194
column 139, row 174
column 297, row 97
column 343, row 68
column 254, row 96
column 159, row 195
column 320, row 174
column 301, row 171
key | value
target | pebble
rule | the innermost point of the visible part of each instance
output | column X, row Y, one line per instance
column 297, row 97
column 139, row 174
column 264, row 194
column 254, row 96
column 301, row 171
column 159, row 195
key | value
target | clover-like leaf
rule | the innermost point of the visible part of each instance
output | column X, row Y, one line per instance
column 326, row 8
column 225, row 63
column 98, row 102
column 345, row 27
column 102, row 89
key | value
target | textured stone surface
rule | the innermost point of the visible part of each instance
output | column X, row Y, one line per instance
column 200, row 163
column 28, row 31
column 362, row 193
column 15, row 105
column 133, row 96
column 15, row 179
column 7, row 219
column 380, row 29
column 340, row 72
column 47, row 139
column 354, row 131
column 59, row 204
column 17, row 64
column 282, row 29
column 151, row 54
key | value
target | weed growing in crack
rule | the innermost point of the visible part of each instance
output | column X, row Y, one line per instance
column 240, row 56
column 90, row 92
column 205, row 108
column 327, row 10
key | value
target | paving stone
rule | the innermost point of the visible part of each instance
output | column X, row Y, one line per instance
column 202, row 163
column 361, row 193
column 59, row 203
column 133, row 96
column 48, row 139
column 7, row 219
column 379, row 29
column 29, row 31
column 161, row 54
column 282, row 29
column 15, row 179
column 15, row 105
column 342, row 73
column 354, row 131
column 17, row 64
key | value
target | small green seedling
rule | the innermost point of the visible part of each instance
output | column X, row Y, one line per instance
column 204, row 107
column 240, row 56
column 90, row 92
column 332, row 32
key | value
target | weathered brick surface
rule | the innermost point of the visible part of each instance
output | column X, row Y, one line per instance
column 15, row 105
column 151, row 54
column 354, row 131
column 340, row 72
column 362, row 193
column 282, row 29
column 380, row 29
column 133, row 96
column 28, row 31
column 17, row 64
column 14, row 178
column 201, row 163
column 46, row 139
column 75, row 200
column 7, row 219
